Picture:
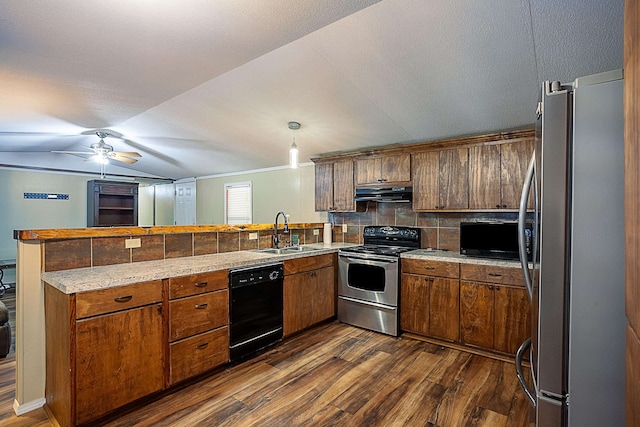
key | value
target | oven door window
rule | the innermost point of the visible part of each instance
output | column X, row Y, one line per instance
column 367, row 277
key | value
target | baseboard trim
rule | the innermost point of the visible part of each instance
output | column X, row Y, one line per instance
column 21, row 409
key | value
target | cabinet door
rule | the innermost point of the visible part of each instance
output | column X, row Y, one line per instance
column 368, row 171
column 444, row 309
column 309, row 298
column 296, row 303
column 424, row 177
column 324, row 186
column 476, row 314
column 343, row 187
column 484, row 177
column 454, row 179
column 119, row 359
column 515, row 158
column 396, row 168
column 414, row 304
column 323, row 302
column 513, row 318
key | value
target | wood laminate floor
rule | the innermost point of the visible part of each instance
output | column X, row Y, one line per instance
column 333, row 375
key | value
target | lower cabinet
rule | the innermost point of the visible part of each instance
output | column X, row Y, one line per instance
column 494, row 308
column 309, row 292
column 105, row 349
column 198, row 324
column 109, row 347
column 481, row 306
column 118, row 360
column 429, row 305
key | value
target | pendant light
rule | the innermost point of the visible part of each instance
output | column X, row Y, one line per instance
column 293, row 151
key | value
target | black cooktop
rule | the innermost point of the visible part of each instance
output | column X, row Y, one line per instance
column 377, row 250
column 387, row 240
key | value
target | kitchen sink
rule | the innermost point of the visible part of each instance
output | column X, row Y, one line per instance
column 287, row 250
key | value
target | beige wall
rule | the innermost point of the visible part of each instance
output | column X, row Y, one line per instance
column 289, row 190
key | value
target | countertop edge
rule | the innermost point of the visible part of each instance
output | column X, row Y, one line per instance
column 109, row 276
column 449, row 256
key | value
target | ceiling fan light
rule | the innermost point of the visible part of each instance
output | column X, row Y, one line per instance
column 102, row 159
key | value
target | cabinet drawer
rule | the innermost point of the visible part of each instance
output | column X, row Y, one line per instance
column 199, row 313
column 492, row 274
column 297, row 265
column 198, row 354
column 118, row 298
column 197, row 284
column 430, row 268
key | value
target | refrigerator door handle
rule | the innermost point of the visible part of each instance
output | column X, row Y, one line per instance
column 522, row 217
column 519, row 372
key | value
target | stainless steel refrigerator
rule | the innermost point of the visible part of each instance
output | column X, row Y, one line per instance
column 576, row 280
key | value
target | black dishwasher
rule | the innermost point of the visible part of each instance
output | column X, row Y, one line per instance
column 256, row 308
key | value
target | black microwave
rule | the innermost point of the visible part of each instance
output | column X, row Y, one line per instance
column 493, row 239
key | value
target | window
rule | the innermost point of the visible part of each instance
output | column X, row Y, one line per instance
column 237, row 203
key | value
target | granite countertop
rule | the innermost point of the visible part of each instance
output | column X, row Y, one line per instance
column 94, row 278
column 450, row 256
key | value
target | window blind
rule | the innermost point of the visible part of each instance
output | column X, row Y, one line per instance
column 238, row 203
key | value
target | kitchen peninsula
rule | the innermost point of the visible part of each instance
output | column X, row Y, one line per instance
column 94, row 249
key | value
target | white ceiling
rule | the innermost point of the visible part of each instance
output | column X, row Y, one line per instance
column 203, row 87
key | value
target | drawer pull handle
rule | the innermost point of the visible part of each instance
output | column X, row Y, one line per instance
column 202, row 346
column 312, row 274
column 200, row 284
column 495, row 275
column 201, row 306
column 429, row 268
column 126, row 298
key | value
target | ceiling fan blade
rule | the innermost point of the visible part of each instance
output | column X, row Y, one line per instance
column 127, row 153
column 72, row 152
column 119, row 158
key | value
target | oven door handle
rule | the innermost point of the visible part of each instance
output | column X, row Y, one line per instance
column 369, row 261
column 372, row 304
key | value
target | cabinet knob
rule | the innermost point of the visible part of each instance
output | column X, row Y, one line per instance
column 126, row 298
column 200, row 284
column 312, row 274
column 201, row 306
column 497, row 206
column 504, row 206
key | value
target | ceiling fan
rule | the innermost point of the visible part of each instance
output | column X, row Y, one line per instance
column 103, row 152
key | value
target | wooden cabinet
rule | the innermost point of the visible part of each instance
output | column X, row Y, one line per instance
column 334, row 188
column 198, row 324
column 309, row 292
column 104, row 349
column 514, row 161
column 440, row 180
column 384, row 169
column 112, row 203
column 494, row 308
column 430, row 299
column 497, row 174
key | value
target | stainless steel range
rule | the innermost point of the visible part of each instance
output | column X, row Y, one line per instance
column 369, row 278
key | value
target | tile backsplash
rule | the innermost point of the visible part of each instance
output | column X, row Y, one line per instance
column 439, row 230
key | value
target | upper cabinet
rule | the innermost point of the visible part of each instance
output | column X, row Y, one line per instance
column 497, row 173
column 479, row 173
column 385, row 169
column 440, row 180
column 334, row 186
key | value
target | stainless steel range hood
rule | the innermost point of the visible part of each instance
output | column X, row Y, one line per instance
column 383, row 194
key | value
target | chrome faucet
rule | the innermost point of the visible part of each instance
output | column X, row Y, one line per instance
column 276, row 240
